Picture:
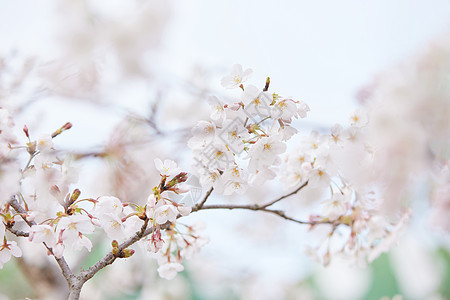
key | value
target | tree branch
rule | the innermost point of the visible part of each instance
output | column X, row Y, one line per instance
column 109, row 258
column 256, row 207
column 199, row 206
column 285, row 196
column 279, row 213
column 17, row 232
column 67, row 272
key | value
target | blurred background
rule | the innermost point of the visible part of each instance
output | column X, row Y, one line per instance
column 133, row 78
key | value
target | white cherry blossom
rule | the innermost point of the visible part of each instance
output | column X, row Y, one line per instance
column 8, row 249
column 359, row 118
column 73, row 228
column 302, row 109
column 113, row 226
column 165, row 213
column 236, row 77
column 218, row 113
column 265, row 152
column 167, row 168
column 42, row 234
column 45, row 143
column 231, row 187
column 335, row 207
column 319, row 178
column 108, row 205
column 202, row 134
column 170, row 270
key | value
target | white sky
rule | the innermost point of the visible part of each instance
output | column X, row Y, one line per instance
column 319, row 51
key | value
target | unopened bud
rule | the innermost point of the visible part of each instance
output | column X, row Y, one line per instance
column 65, row 127
column 179, row 178
column 115, row 251
column 127, row 253
column 75, row 194
column 252, row 128
column 25, row 129
column 266, row 87
column 115, row 244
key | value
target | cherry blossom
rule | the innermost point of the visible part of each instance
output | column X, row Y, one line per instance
column 165, row 213
column 45, row 143
column 43, row 234
column 73, row 229
column 236, row 77
column 168, row 168
column 113, row 226
column 218, row 113
column 108, row 205
column 170, row 270
column 7, row 250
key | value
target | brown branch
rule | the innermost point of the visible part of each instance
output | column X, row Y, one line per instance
column 264, row 209
column 109, row 258
column 256, row 207
column 285, row 196
column 17, row 232
column 199, row 206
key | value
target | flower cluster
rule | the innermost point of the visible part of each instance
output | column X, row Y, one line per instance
column 67, row 220
column 242, row 144
column 171, row 248
column 339, row 162
column 255, row 128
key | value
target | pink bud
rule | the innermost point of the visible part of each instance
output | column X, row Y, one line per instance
column 66, row 126
column 25, row 129
column 58, row 250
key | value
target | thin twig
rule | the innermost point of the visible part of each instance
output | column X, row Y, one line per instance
column 285, row 196
column 256, row 207
column 199, row 206
column 27, row 166
column 259, row 208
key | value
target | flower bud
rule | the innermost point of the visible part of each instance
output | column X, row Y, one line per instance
column 65, row 127
column 115, row 251
column 181, row 177
column 115, row 244
column 25, row 129
column 127, row 253
column 75, row 194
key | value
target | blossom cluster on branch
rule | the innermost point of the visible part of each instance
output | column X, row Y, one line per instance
column 243, row 144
